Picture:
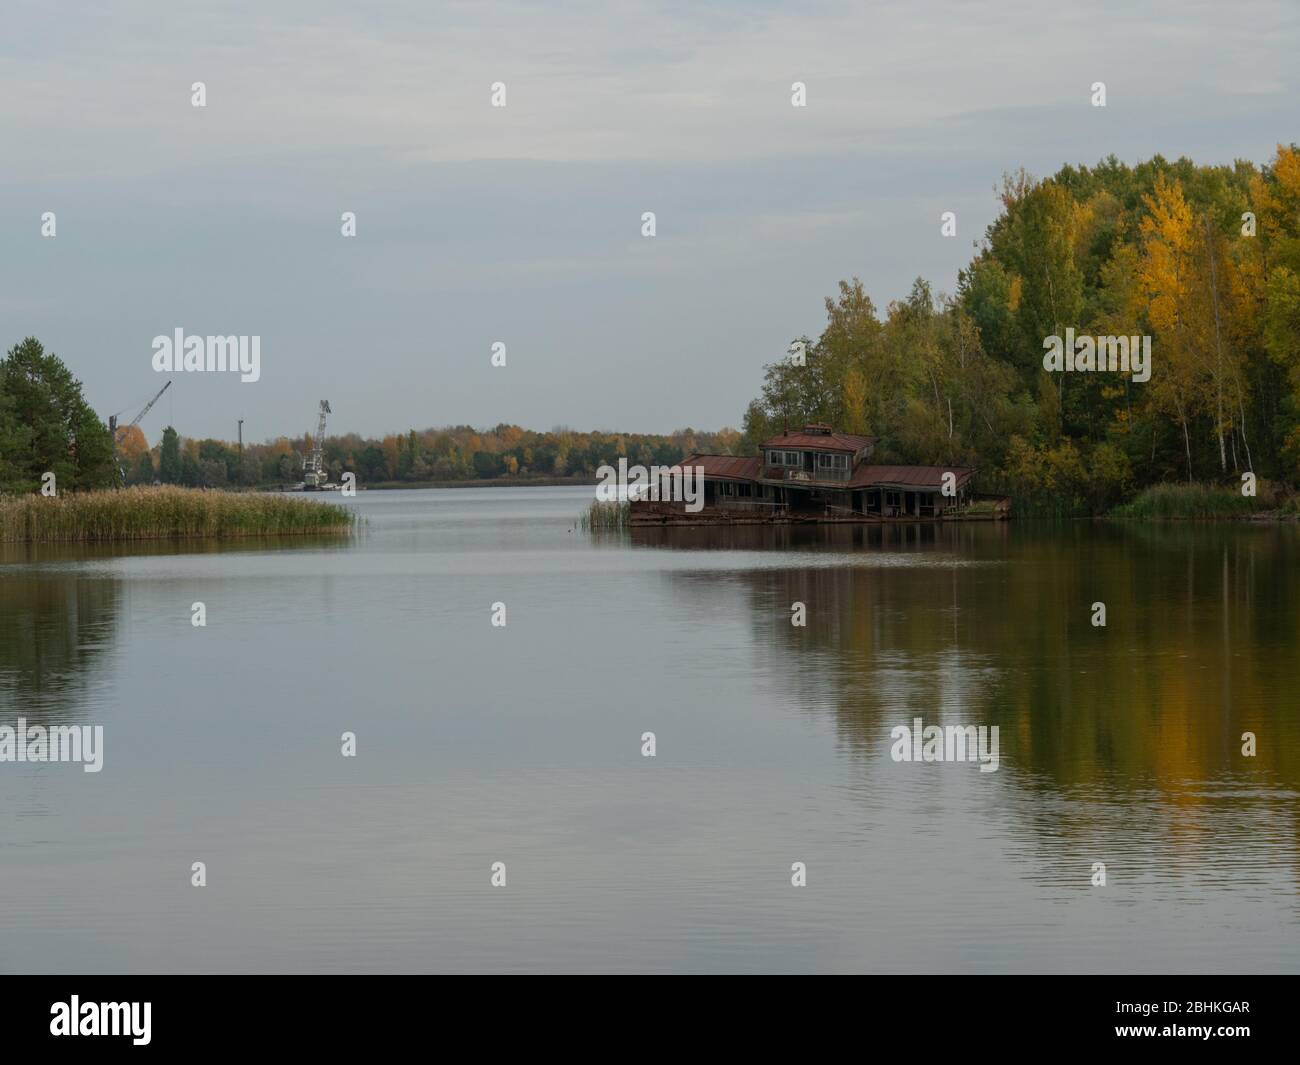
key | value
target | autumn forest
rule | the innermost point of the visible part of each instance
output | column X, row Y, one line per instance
column 1203, row 259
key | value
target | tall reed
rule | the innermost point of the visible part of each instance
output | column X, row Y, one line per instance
column 605, row 515
column 163, row 512
column 1190, row 501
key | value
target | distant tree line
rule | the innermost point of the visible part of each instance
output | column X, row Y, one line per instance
column 46, row 426
column 458, row 453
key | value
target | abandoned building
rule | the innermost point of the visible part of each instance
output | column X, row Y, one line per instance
column 816, row 472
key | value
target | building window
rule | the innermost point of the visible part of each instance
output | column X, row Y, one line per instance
column 832, row 462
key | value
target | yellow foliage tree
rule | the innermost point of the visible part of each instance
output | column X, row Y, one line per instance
column 1165, row 275
column 131, row 443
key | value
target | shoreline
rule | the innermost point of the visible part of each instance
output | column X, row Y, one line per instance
column 489, row 482
column 396, row 486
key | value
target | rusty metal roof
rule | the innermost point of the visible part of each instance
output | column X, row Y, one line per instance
column 729, row 467
column 826, row 441
column 868, row 475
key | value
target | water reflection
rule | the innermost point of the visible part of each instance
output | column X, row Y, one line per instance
column 54, row 632
column 61, row 608
column 1120, row 743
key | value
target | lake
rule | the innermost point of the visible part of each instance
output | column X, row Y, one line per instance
column 522, row 744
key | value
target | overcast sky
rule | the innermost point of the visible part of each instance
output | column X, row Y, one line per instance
column 523, row 224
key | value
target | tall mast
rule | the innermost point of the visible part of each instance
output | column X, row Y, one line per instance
column 314, row 469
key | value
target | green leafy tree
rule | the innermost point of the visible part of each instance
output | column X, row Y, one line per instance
column 191, row 470
column 251, row 471
column 169, row 458
column 141, row 471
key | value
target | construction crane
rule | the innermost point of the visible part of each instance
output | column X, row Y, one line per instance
column 112, row 426
column 313, row 470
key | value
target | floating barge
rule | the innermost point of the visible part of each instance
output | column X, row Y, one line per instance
column 818, row 475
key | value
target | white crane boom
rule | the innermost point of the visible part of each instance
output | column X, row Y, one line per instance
column 313, row 472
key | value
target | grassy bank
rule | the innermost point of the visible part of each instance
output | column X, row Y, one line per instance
column 605, row 516
column 1195, row 501
column 1049, row 507
column 163, row 513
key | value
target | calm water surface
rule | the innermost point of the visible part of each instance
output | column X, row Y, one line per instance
column 522, row 745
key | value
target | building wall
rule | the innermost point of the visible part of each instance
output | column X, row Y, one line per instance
column 923, row 502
